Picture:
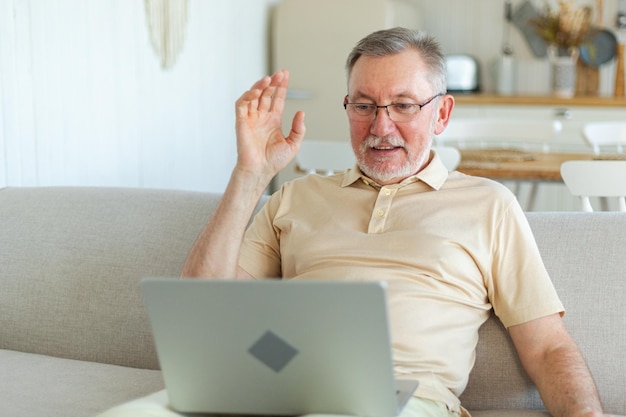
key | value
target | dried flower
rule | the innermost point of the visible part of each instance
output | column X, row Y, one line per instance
column 566, row 27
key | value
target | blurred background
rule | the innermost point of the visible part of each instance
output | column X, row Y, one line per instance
column 86, row 97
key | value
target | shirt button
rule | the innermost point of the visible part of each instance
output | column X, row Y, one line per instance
column 380, row 213
column 387, row 192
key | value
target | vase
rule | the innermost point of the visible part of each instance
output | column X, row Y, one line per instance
column 563, row 70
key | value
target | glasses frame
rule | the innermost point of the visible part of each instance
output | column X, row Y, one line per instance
column 386, row 107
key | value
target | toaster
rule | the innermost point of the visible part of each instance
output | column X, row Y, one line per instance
column 463, row 73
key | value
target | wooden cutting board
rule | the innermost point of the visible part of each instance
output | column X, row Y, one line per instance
column 587, row 79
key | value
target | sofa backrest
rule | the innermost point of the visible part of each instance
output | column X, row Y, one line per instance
column 585, row 254
column 71, row 260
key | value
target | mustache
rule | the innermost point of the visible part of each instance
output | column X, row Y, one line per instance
column 374, row 141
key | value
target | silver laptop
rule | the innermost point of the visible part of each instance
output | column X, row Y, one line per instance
column 275, row 347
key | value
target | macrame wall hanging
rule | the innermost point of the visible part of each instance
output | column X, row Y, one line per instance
column 167, row 20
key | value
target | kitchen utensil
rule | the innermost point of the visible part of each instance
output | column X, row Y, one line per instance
column 521, row 19
column 587, row 79
column 600, row 49
column 618, row 88
column 507, row 48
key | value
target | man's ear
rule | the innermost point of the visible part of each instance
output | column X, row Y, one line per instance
column 446, row 105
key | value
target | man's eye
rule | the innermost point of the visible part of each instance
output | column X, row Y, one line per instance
column 404, row 106
column 363, row 107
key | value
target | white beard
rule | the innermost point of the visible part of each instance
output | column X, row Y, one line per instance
column 385, row 173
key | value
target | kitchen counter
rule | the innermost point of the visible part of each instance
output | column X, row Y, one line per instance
column 530, row 100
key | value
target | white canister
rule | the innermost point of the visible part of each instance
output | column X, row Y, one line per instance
column 506, row 75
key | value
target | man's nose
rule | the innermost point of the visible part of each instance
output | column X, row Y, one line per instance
column 382, row 123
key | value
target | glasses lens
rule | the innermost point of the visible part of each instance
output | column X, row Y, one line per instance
column 367, row 112
column 398, row 112
column 403, row 112
column 359, row 111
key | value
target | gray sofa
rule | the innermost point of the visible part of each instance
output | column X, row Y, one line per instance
column 74, row 337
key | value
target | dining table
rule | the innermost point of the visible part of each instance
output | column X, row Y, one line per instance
column 522, row 166
column 517, row 165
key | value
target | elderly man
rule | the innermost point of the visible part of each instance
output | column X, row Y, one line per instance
column 450, row 246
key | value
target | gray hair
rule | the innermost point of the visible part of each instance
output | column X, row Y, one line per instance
column 392, row 41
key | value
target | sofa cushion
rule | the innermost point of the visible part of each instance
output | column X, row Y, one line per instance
column 37, row 385
column 71, row 263
column 497, row 365
column 584, row 254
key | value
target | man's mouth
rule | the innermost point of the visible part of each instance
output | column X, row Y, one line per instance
column 385, row 148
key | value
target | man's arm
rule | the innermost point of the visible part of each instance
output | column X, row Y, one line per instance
column 262, row 151
column 215, row 253
column 554, row 363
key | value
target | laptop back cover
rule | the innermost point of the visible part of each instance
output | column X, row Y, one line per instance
column 273, row 347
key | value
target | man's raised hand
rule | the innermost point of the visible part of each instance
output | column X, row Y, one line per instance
column 262, row 147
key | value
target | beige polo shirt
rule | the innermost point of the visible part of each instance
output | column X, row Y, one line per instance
column 450, row 246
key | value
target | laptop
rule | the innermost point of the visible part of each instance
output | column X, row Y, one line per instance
column 275, row 347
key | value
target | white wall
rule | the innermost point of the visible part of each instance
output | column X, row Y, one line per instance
column 84, row 101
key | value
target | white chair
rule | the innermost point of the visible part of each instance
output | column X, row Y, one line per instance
column 607, row 137
column 529, row 135
column 324, row 157
column 604, row 135
column 596, row 178
column 449, row 155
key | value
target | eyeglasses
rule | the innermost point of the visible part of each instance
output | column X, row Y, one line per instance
column 397, row 112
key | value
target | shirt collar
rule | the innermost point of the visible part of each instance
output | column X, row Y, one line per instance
column 434, row 175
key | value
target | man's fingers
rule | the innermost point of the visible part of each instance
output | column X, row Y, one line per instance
column 246, row 104
column 298, row 129
column 273, row 96
column 261, row 84
column 249, row 101
column 267, row 96
column 280, row 93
